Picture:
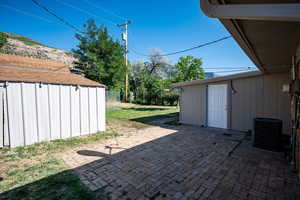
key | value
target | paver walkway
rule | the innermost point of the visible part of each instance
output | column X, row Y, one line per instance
column 182, row 163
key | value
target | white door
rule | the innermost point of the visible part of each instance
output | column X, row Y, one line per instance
column 217, row 106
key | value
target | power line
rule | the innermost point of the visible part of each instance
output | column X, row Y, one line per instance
column 105, row 10
column 232, row 71
column 199, row 46
column 234, row 68
column 29, row 14
column 185, row 50
column 85, row 11
column 56, row 16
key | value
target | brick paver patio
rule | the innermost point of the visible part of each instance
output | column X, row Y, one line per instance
column 183, row 163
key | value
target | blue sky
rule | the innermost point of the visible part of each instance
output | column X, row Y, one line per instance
column 168, row 25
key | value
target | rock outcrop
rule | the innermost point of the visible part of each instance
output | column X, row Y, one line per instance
column 18, row 47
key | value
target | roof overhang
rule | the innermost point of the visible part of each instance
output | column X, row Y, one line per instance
column 273, row 12
column 268, row 31
column 218, row 79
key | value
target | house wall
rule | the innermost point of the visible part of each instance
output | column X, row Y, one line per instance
column 43, row 112
column 193, row 105
column 259, row 96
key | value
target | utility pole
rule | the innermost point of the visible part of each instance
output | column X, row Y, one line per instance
column 125, row 39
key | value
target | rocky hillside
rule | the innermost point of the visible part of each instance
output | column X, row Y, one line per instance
column 23, row 46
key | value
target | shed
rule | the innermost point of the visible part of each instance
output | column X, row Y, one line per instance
column 233, row 101
column 41, row 100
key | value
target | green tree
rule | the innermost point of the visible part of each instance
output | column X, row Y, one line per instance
column 100, row 56
column 150, row 81
column 3, row 41
column 188, row 68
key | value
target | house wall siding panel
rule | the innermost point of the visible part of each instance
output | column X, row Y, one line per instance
column 246, row 102
column 193, row 105
column 277, row 103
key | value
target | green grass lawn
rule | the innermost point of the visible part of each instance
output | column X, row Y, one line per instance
column 38, row 172
column 138, row 116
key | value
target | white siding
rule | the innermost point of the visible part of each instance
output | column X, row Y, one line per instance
column 54, row 111
column 15, row 113
column 5, row 113
column 43, row 112
column 2, row 96
column 101, row 108
column 75, row 111
column 29, row 109
column 65, row 111
column 93, row 109
column 4, row 136
column 84, row 105
column 36, row 112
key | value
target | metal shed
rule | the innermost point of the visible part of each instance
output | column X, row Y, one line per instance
column 42, row 100
column 232, row 102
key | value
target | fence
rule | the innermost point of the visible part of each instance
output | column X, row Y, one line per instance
column 112, row 98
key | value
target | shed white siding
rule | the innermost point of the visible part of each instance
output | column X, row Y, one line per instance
column 84, row 105
column 65, row 112
column 43, row 114
column 54, row 97
column 75, row 111
column 4, row 137
column 15, row 113
column 33, row 112
column 101, row 106
column 29, row 113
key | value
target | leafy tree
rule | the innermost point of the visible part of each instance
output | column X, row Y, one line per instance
column 188, row 68
column 100, row 56
column 3, row 40
column 158, row 65
column 150, row 81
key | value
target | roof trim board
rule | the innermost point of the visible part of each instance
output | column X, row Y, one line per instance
column 218, row 79
column 274, row 11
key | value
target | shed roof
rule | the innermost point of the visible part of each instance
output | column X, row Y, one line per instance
column 27, row 62
column 218, row 79
column 24, row 69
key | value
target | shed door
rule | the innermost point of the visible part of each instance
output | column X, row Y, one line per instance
column 217, row 106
